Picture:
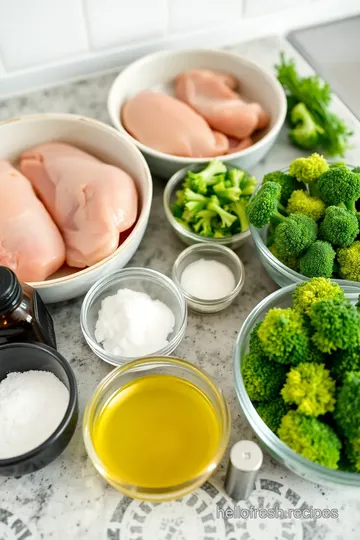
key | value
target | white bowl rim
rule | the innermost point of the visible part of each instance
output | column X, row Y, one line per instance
column 145, row 207
column 115, row 118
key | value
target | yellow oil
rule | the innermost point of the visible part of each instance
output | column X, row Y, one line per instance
column 158, row 431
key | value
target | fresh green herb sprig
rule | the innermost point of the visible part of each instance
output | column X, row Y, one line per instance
column 313, row 125
column 213, row 202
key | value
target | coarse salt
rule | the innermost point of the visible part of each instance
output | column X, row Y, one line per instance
column 132, row 324
column 32, row 406
column 207, row 279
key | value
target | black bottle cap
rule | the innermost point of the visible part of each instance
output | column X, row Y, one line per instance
column 10, row 290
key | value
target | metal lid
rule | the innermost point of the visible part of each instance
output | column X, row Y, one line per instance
column 10, row 290
column 246, row 459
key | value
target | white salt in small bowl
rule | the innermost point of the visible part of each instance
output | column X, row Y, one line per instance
column 156, row 285
column 210, row 252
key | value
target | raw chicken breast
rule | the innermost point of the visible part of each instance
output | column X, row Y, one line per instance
column 30, row 243
column 211, row 94
column 168, row 125
column 90, row 201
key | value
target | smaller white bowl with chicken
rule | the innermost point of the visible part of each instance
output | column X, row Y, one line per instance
column 186, row 107
column 75, row 198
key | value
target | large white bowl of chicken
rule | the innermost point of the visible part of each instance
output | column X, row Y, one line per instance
column 75, row 198
column 184, row 107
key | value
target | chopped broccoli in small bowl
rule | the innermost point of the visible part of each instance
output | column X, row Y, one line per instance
column 209, row 203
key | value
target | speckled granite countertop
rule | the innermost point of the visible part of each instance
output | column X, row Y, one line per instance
column 68, row 500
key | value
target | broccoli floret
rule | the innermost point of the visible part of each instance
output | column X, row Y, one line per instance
column 349, row 262
column 347, row 408
column 295, row 235
column 204, row 224
column 343, row 362
column 356, row 170
column 310, row 438
column 287, row 182
column 311, row 388
column 191, row 196
column 248, row 185
column 255, row 345
column 239, row 208
column 235, row 176
column 315, row 356
column 265, row 205
column 318, row 261
column 228, row 193
column 289, row 261
column 339, row 185
column 352, row 452
column 227, row 219
column 263, row 379
column 283, row 336
column 200, row 181
column 302, row 203
column 340, row 227
column 308, row 169
column 183, row 223
column 307, row 294
column 271, row 412
column 336, row 323
column 306, row 132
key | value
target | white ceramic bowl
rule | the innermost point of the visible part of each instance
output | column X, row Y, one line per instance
column 19, row 134
column 157, row 71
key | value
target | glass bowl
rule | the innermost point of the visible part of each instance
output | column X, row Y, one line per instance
column 279, row 272
column 189, row 237
column 153, row 283
column 218, row 253
column 142, row 368
column 280, row 451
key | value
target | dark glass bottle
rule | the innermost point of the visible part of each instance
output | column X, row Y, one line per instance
column 23, row 315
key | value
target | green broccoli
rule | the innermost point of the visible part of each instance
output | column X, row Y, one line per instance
column 271, row 412
column 239, row 209
column 309, row 169
column 263, row 379
column 200, row 181
column 231, row 193
column 352, row 451
column 283, row 336
column 318, row 261
column 295, row 235
column 336, row 323
column 204, row 225
column 306, row 133
column 310, row 438
column 235, row 177
column 349, row 262
column 311, row 388
column 183, row 223
column 255, row 345
column 307, row 294
column 356, row 170
column 287, row 182
column 302, row 203
column 347, row 408
column 227, row 219
column 340, row 227
column 315, row 356
column 344, row 361
column 290, row 261
column 248, row 185
column 265, row 205
column 339, row 185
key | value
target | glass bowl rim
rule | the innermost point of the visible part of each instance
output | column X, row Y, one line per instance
column 170, row 492
column 132, row 272
column 170, row 187
column 267, row 437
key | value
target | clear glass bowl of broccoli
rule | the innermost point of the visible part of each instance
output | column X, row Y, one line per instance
column 269, row 362
column 325, row 239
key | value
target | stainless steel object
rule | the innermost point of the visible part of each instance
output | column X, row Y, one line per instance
column 246, row 459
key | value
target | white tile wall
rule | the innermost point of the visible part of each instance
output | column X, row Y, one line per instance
column 185, row 15
column 45, row 42
column 38, row 31
column 114, row 22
